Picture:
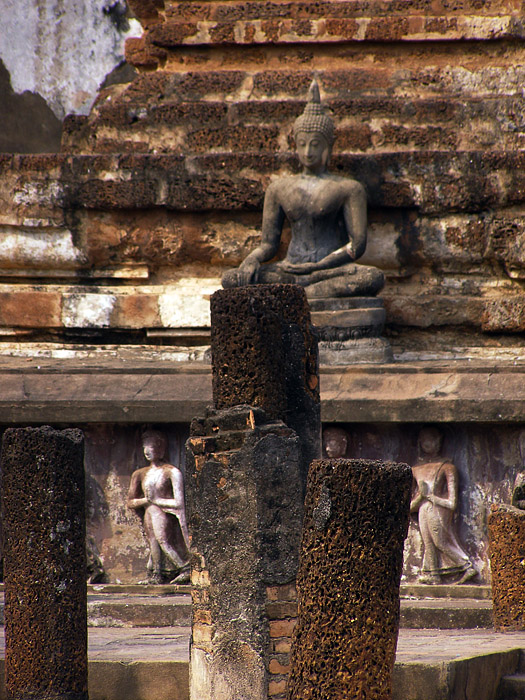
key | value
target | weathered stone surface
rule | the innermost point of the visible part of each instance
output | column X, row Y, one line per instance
column 264, row 353
column 44, row 550
column 506, row 526
column 244, row 488
column 355, row 523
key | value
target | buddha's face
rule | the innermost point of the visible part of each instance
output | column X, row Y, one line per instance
column 313, row 151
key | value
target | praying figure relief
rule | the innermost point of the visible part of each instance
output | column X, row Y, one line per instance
column 327, row 216
column 435, row 499
column 156, row 494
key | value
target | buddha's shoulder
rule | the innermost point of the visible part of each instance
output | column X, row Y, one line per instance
column 283, row 184
column 347, row 183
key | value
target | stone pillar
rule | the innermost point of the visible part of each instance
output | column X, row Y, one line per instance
column 244, row 507
column 506, row 527
column 264, row 353
column 45, row 564
column 355, row 522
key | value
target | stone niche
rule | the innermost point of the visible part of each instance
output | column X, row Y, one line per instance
column 487, row 458
column 112, row 453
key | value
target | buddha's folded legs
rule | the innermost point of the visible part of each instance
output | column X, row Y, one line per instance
column 344, row 281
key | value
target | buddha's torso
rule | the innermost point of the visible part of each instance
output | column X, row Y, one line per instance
column 313, row 206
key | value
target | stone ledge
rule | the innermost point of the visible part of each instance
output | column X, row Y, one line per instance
column 143, row 385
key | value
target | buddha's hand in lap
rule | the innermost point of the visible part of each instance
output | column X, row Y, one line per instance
column 297, row 268
column 246, row 273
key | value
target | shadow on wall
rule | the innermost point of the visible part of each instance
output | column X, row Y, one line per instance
column 28, row 123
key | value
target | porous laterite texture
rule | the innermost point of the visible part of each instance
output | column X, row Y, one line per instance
column 355, row 522
column 244, row 504
column 44, row 550
column 264, row 354
column 507, row 553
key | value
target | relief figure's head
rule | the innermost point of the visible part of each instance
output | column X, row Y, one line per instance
column 155, row 445
column 335, row 442
column 314, row 134
column 430, row 441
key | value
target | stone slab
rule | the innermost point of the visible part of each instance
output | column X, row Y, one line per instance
column 347, row 318
column 443, row 613
column 152, row 664
column 140, row 384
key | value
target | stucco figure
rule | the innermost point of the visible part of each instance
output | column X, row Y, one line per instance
column 327, row 216
column 156, row 493
column 435, row 499
column 335, row 442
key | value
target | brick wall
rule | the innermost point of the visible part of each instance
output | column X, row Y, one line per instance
column 162, row 184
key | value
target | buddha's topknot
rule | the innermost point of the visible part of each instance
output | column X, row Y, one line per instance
column 314, row 119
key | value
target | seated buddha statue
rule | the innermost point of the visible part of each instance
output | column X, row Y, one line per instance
column 327, row 217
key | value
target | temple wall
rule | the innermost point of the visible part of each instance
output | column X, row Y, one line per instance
column 112, row 453
column 160, row 188
column 116, row 243
column 487, row 457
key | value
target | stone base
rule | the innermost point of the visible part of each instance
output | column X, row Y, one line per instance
column 350, row 329
column 351, row 352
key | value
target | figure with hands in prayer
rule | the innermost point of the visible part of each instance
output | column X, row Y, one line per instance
column 156, row 494
column 435, row 499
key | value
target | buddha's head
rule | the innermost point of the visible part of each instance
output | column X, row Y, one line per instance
column 154, row 444
column 314, row 133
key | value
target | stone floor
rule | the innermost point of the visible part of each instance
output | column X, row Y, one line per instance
column 148, row 662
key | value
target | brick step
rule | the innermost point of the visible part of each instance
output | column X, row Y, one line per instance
column 446, row 614
column 168, row 606
column 135, row 606
column 445, row 607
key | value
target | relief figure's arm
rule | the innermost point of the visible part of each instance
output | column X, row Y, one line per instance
column 419, row 494
column 136, row 498
column 451, row 500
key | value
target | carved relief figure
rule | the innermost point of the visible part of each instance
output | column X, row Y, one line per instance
column 327, row 216
column 335, row 442
column 434, row 499
column 156, row 493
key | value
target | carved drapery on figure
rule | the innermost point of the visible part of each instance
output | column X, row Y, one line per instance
column 434, row 499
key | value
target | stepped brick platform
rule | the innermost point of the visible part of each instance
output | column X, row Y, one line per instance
column 151, row 662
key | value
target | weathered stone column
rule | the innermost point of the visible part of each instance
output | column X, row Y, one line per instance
column 246, row 468
column 355, row 522
column 264, row 353
column 44, row 550
column 506, row 527
column 244, row 506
